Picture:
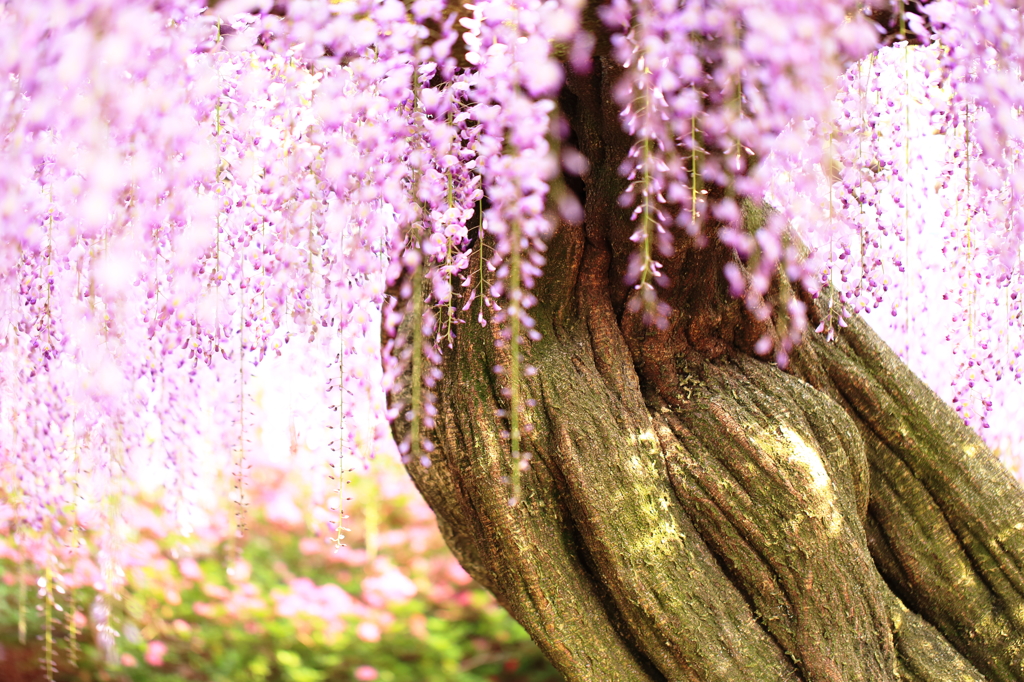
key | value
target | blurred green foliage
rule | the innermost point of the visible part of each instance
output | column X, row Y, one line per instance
column 404, row 612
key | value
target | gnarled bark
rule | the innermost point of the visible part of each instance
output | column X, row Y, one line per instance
column 693, row 512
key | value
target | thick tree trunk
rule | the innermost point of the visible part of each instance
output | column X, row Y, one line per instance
column 693, row 512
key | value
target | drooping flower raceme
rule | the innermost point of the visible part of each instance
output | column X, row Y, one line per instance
column 709, row 89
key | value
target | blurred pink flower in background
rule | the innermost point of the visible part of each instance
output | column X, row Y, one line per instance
column 366, row 673
column 215, row 591
column 391, row 586
column 281, row 509
column 329, row 603
column 190, row 569
column 240, row 571
column 244, row 599
column 155, row 652
column 456, row 573
column 368, row 632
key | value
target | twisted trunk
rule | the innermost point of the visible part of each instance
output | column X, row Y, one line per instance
column 693, row 512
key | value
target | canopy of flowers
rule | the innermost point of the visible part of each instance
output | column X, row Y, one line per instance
column 185, row 189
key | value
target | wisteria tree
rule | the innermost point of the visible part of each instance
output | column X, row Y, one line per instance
column 618, row 253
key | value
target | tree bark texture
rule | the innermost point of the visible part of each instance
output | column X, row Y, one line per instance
column 693, row 512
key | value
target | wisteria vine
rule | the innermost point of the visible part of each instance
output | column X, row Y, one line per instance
column 184, row 190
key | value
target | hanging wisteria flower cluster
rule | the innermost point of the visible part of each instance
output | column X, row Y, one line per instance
column 913, row 207
column 710, row 88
